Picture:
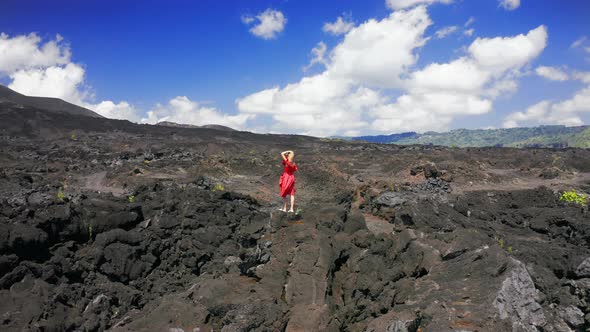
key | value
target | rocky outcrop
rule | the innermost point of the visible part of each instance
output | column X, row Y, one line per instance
column 517, row 300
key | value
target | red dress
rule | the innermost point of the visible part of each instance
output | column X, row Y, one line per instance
column 287, row 181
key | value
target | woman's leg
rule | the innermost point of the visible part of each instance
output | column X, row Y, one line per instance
column 292, row 202
column 284, row 203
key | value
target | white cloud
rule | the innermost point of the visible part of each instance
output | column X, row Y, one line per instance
column 510, row 4
column 375, row 60
column 582, row 76
column 461, row 75
column 427, row 111
column 469, row 22
column 247, row 19
column 580, row 102
column 446, row 31
column 578, row 42
column 502, row 53
column 111, row 110
column 465, row 86
column 270, row 23
column 45, row 70
column 402, row 4
column 55, row 81
column 319, row 56
column 377, row 53
column 552, row 73
column 469, row 32
column 27, row 51
column 536, row 113
column 566, row 112
column 339, row 27
column 183, row 110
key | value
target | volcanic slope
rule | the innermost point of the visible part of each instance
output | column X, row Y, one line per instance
column 109, row 225
column 11, row 98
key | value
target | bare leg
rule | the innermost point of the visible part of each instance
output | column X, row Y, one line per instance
column 292, row 203
column 285, row 203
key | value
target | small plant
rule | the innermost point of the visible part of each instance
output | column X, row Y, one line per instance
column 298, row 211
column 89, row 232
column 509, row 250
column 73, row 136
column 60, row 195
column 131, row 198
column 146, row 162
column 573, row 197
column 219, row 187
column 501, row 243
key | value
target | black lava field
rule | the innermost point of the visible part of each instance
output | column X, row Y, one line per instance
column 107, row 225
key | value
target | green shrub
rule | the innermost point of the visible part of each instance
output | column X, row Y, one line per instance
column 60, row 195
column 573, row 197
column 219, row 187
column 131, row 198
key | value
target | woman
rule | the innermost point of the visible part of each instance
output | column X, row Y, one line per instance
column 287, row 181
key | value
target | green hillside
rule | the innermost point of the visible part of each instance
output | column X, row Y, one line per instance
column 544, row 136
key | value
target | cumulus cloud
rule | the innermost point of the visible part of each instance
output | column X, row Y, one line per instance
column 446, row 31
column 339, row 27
column 54, row 81
column 376, row 60
column 565, row 112
column 112, row 110
column 318, row 56
column 372, row 55
column 183, row 110
column 502, row 53
column 402, row 4
column 377, row 53
column 552, row 73
column 28, row 51
column 510, row 4
column 45, row 70
column 580, row 102
column 269, row 23
column 469, row 32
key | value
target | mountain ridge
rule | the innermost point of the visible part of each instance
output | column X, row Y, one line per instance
column 44, row 103
column 552, row 136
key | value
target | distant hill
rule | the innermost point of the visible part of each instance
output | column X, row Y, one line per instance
column 179, row 125
column 543, row 136
column 8, row 95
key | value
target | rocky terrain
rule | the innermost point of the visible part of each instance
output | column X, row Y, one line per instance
column 108, row 225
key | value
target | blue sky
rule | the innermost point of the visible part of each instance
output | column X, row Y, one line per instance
column 193, row 61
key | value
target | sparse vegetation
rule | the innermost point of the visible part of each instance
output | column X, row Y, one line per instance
column 218, row 187
column 574, row 197
column 131, row 199
column 60, row 195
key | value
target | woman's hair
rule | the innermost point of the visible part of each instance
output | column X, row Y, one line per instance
column 290, row 156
